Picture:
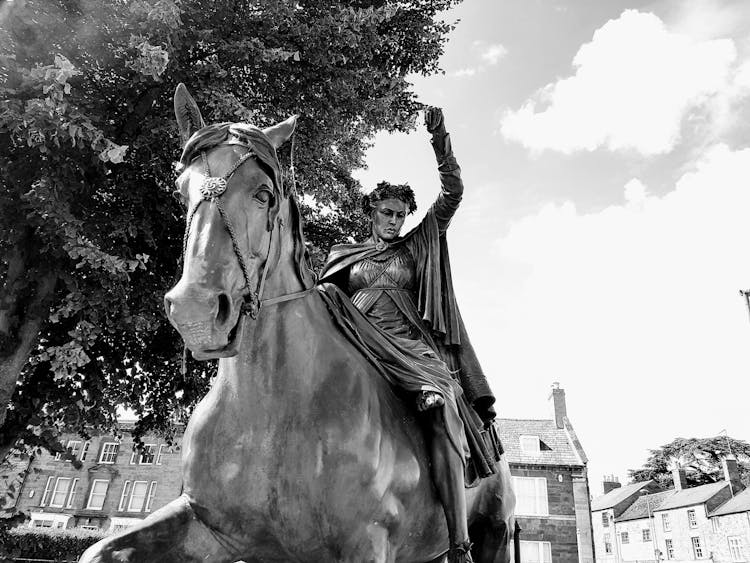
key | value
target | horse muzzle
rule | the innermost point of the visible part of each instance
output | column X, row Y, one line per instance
column 210, row 323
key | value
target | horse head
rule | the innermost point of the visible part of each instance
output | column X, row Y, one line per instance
column 243, row 244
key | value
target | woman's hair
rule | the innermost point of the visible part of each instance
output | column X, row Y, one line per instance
column 386, row 190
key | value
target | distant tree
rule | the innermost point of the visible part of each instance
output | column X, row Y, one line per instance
column 700, row 457
column 89, row 233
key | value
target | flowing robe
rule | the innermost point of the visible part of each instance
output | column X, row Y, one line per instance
column 416, row 319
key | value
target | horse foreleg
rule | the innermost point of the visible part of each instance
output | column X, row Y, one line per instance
column 171, row 534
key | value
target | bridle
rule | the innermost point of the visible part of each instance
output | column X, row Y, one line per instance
column 211, row 189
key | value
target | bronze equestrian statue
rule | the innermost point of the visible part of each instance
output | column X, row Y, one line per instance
column 308, row 447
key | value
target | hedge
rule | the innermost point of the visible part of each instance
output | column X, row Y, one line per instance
column 42, row 543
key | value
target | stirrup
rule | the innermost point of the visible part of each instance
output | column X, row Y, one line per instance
column 460, row 553
column 429, row 400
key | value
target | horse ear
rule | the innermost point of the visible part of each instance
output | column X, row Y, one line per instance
column 189, row 119
column 280, row 133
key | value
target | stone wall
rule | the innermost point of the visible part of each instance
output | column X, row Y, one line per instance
column 726, row 527
column 560, row 528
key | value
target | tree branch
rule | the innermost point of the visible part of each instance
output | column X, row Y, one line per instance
column 13, row 362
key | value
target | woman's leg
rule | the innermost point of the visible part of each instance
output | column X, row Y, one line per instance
column 448, row 476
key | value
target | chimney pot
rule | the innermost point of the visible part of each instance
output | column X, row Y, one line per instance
column 558, row 404
column 679, row 478
column 610, row 483
column 732, row 473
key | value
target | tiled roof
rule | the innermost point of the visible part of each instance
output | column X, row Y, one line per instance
column 645, row 505
column 693, row 495
column 616, row 496
column 556, row 445
column 740, row 503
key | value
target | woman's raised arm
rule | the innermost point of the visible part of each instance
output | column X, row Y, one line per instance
column 451, row 186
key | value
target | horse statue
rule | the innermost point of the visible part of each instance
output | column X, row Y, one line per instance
column 301, row 451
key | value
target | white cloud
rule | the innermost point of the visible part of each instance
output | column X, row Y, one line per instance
column 635, row 192
column 634, row 308
column 466, row 71
column 488, row 53
column 633, row 84
column 493, row 53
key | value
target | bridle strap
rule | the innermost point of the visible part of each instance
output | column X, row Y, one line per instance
column 212, row 188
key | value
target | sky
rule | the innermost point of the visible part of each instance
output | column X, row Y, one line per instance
column 603, row 237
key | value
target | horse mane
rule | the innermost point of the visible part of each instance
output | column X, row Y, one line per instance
column 252, row 137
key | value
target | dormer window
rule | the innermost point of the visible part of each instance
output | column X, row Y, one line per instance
column 530, row 444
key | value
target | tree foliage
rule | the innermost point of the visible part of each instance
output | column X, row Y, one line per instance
column 89, row 233
column 700, row 457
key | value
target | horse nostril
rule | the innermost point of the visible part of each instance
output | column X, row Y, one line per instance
column 225, row 309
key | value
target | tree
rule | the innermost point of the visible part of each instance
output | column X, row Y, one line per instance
column 89, row 233
column 700, row 457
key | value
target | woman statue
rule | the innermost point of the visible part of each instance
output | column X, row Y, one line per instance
column 403, row 286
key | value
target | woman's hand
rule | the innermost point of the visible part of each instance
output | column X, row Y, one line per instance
column 433, row 119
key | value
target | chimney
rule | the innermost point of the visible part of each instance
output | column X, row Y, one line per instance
column 558, row 404
column 679, row 478
column 610, row 483
column 732, row 473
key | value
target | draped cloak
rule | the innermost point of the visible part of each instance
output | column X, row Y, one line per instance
column 436, row 304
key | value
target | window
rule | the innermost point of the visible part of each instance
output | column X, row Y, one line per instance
column 72, row 446
column 60, row 494
column 691, row 519
column 735, row 548
column 109, row 452
column 646, row 534
column 148, row 453
column 529, row 444
column 72, row 495
column 47, row 491
column 665, row 522
column 85, row 450
column 605, row 519
column 716, row 524
column 98, row 494
column 125, row 496
column 624, row 537
column 137, row 496
column 531, row 496
column 47, row 520
column 134, row 456
column 669, row 549
column 536, row 552
column 607, row 544
column 697, row 547
column 159, row 455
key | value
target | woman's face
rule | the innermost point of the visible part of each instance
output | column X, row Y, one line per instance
column 387, row 218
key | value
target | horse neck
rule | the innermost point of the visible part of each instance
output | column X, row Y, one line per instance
column 275, row 340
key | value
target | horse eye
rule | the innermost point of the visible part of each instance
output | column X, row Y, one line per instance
column 263, row 195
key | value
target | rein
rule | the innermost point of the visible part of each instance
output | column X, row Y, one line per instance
column 212, row 188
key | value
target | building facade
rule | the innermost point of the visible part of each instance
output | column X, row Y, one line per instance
column 638, row 523
column 729, row 540
column 104, row 483
column 548, row 466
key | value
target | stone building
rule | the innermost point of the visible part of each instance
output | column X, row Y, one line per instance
column 730, row 530
column 115, row 486
column 548, row 466
column 640, row 523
